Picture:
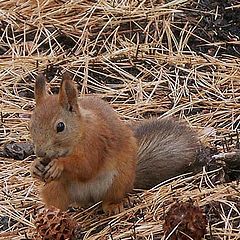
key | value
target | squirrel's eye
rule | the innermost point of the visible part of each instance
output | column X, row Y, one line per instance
column 60, row 127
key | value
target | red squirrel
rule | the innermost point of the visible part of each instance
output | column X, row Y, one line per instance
column 86, row 154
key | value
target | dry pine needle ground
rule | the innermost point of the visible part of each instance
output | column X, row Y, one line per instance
column 148, row 58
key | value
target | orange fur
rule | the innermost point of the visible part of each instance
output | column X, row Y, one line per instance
column 94, row 156
column 93, row 159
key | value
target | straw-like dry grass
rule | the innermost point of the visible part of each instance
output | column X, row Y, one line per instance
column 148, row 58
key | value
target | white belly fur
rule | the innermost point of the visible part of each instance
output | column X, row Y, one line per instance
column 92, row 191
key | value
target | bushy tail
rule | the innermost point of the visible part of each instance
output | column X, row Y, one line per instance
column 166, row 149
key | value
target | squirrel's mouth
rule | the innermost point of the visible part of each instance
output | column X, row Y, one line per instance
column 48, row 158
column 55, row 155
column 63, row 153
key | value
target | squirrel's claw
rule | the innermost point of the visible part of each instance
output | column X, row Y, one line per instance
column 53, row 170
column 112, row 208
column 116, row 208
column 37, row 169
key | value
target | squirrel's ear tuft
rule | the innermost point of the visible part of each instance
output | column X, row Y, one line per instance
column 40, row 89
column 68, row 96
column 66, row 77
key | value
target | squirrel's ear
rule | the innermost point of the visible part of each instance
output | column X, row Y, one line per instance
column 68, row 96
column 40, row 89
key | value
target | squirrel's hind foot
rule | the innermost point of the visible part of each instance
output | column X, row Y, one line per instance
column 112, row 208
column 116, row 208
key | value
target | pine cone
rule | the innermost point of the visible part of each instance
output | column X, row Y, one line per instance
column 52, row 224
column 188, row 220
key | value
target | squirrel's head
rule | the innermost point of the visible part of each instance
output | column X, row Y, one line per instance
column 56, row 121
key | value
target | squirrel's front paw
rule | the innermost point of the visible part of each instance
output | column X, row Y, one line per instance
column 37, row 169
column 53, row 170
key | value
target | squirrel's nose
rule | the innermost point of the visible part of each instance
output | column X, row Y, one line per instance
column 40, row 152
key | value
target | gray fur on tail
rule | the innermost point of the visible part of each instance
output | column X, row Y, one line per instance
column 166, row 149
